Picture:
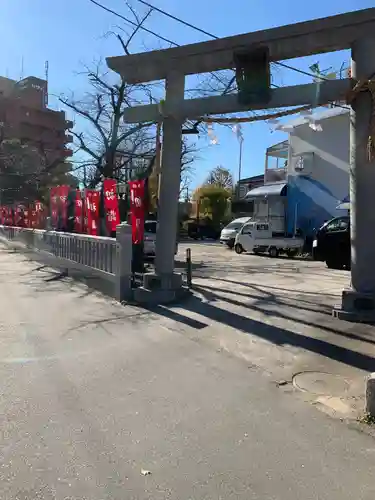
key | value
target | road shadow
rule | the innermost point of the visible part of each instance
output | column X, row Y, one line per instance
column 265, row 288
column 304, row 257
column 261, row 306
column 116, row 319
column 168, row 312
column 220, row 272
column 259, row 296
column 279, row 336
column 181, row 264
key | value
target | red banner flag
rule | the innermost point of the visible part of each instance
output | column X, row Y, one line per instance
column 137, row 207
column 54, row 206
column 7, row 217
column 3, row 215
column 40, row 215
column 92, row 211
column 10, row 216
column 78, row 213
column 33, row 216
column 18, row 216
column 111, row 209
column 85, row 217
column 26, row 217
column 63, row 192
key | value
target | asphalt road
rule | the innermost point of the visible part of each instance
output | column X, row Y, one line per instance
column 93, row 394
column 217, row 259
column 277, row 315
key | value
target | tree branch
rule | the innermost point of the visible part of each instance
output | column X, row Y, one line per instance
column 83, row 145
column 140, row 23
column 85, row 114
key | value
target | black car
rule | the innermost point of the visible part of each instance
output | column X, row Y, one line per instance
column 332, row 243
column 198, row 231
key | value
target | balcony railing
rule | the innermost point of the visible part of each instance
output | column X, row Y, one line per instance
column 272, row 175
column 276, row 168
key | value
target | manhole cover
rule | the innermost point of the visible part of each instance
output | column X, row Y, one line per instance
column 320, row 383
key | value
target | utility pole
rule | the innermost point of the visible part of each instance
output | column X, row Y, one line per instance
column 239, row 168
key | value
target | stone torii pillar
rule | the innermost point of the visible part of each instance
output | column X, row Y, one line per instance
column 358, row 302
column 170, row 176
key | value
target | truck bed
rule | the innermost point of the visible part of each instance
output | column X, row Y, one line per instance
column 281, row 243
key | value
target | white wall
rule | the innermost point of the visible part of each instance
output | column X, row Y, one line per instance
column 331, row 152
column 324, row 181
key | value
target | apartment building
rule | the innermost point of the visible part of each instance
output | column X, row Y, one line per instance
column 24, row 115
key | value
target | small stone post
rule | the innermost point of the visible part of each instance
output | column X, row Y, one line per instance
column 370, row 395
column 123, row 262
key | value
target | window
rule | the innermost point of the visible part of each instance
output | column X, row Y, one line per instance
column 299, row 163
column 303, row 163
column 150, row 227
column 262, row 227
column 236, row 226
column 247, row 229
column 341, row 224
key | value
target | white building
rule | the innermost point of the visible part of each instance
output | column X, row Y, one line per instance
column 316, row 173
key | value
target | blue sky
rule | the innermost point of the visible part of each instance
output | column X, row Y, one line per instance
column 71, row 32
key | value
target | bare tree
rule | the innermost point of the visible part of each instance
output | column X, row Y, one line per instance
column 220, row 177
column 109, row 147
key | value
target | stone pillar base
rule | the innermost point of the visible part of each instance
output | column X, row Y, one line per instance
column 153, row 281
column 356, row 307
column 160, row 289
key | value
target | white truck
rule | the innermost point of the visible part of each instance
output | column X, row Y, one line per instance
column 228, row 233
column 257, row 237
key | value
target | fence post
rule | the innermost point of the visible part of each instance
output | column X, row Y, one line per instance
column 188, row 267
column 123, row 262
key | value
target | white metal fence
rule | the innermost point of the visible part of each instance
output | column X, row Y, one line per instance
column 106, row 259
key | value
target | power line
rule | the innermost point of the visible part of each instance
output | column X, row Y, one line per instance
column 167, row 14
column 171, row 42
column 132, row 22
column 204, row 32
column 211, row 35
column 139, row 26
column 200, row 30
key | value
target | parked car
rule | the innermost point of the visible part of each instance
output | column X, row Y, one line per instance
column 332, row 243
column 149, row 241
column 201, row 230
column 258, row 237
column 229, row 233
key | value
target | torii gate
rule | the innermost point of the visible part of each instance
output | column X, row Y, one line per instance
column 354, row 30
